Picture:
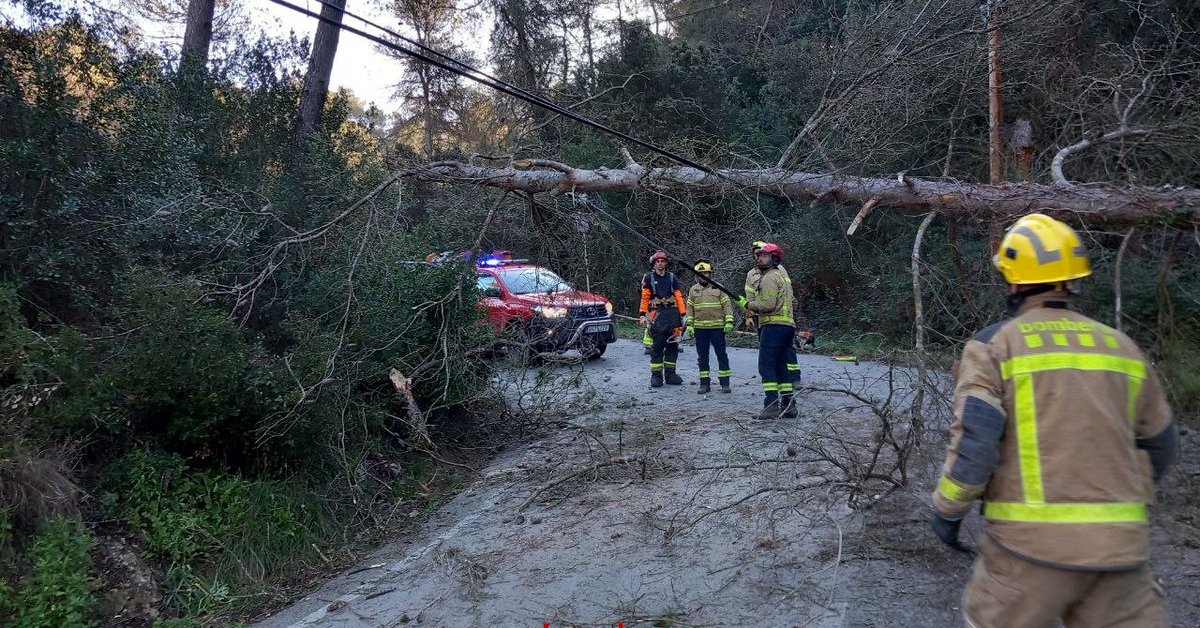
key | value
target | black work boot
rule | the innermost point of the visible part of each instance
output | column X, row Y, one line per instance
column 789, row 407
column 704, row 387
column 771, row 411
column 725, row 384
column 656, row 379
column 673, row 379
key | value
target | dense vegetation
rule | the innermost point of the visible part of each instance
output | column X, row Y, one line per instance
column 196, row 336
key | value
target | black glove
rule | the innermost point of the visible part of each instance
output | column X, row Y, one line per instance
column 947, row 531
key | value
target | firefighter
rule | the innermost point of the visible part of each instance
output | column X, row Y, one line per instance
column 662, row 310
column 788, row 385
column 772, row 303
column 1062, row 428
column 710, row 317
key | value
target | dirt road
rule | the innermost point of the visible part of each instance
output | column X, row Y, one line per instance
column 665, row 507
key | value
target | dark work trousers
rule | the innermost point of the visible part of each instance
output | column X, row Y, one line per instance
column 663, row 353
column 793, row 367
column 716, row 338
column 788, row 386
column 774, row 342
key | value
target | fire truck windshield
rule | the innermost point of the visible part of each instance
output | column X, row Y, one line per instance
column 532, row 281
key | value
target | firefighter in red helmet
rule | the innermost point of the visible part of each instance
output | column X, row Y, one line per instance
column 662, row 310
column 771, row 292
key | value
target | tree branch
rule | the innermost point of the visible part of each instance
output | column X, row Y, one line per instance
column 1056, row 166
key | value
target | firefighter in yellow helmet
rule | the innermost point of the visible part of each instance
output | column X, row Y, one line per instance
column 710, row 317
column 1061, row 428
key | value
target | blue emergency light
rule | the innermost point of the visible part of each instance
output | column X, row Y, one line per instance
column 495, row 258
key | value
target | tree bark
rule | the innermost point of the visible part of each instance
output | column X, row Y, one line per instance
column 197, row 37
column 919, row 316
column 320, row 66
column 1095, row 203
column 995, row 102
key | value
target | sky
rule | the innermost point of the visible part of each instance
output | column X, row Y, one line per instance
column 359, row 65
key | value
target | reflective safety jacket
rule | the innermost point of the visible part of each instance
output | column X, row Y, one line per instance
column 710, row 308
column 753, row 277
column 661, row 291
column 769, row 295
column 1060, row 426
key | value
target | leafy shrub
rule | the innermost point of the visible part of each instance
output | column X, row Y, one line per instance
column 59, row 592
column 194, row 517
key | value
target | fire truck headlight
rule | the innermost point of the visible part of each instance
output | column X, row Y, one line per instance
column 608, row 307
column 550, row 312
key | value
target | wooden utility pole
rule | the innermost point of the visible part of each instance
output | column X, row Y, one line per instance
column 995, row 114
column 995, row 103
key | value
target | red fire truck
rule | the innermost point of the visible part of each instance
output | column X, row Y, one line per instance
column 553, row 314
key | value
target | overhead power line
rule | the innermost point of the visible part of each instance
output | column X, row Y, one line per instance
column 445, row 62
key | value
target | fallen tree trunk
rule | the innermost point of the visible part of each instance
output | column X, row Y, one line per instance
column 1092, row 203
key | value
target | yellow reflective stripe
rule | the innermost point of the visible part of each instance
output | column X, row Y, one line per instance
column 1106, row 512
column 1068, row 360
column 1060, row 339
column 1133, row 390
column 1027, row 439
column 1111, row 341
column 770, row 386
column 1086, row 340
column 1033, row 341
column 954, row 492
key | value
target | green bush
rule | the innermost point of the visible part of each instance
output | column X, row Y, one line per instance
column 214, row 531
column 59, row 591
column 199, row 517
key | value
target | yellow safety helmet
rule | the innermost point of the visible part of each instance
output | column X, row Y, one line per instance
column 756, row 245
column 702, row 266
column 1040, row 249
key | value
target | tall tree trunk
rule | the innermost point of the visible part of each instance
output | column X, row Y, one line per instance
column 995, row 102
column 566, row 48
column 197, row 38
column 587, row 42
column 427, row 113
column 320, row 65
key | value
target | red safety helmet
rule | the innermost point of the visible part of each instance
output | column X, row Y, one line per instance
column 659, row 255
column 773, row 250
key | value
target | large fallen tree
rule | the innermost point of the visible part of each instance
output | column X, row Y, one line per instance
column 1091, row 203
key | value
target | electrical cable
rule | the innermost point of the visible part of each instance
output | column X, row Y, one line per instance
column 485, row 80
column 439, row 54
column 677, row 259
